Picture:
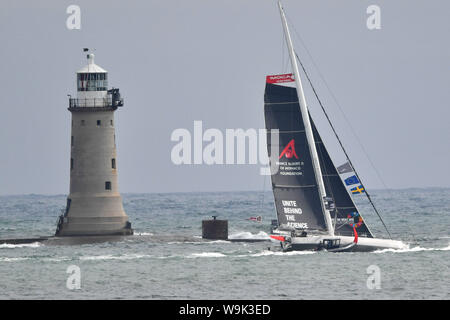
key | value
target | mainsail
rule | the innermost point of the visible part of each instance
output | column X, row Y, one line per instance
column 294, row 183
column 296, row 193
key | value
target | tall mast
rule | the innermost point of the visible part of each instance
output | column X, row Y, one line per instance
column 307, row 123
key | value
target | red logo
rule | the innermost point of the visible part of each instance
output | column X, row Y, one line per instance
column 280, row 78
column 289, row 151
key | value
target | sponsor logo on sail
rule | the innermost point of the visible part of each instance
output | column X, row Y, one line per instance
column 289, row 150
column 291, row 210
column 280, row 78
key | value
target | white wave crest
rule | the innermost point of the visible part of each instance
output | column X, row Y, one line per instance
column 198, row 242
column 22, row 245
column 207, row 255
column 248, row 235
column 143, row 234
column 111, row 257
column 12, row 259
column 281, row 253
column 215, row 241
column 414, row 249
column 182, row 242
column 58, row 259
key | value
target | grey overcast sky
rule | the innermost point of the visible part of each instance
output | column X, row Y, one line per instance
column 180, row 61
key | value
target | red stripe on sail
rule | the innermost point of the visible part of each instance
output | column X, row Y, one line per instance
column 280, row 78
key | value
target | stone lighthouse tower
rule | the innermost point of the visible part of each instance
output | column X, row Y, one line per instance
column 94, row 205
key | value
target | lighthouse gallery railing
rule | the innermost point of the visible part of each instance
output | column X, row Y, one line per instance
column 95, row 103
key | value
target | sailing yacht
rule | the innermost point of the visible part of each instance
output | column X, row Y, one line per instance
column 314, row 208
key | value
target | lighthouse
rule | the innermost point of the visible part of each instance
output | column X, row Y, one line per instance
column 94, row 205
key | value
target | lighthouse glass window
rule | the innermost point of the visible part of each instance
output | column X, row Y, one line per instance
column 92, row 81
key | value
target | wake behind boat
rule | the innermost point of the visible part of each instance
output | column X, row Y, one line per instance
column 314, row 208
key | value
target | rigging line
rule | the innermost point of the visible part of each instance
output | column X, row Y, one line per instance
column 339, row 107
column 282, row 54
column 286, row 62
column 342, row 146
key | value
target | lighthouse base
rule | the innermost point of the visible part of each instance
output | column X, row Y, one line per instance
column 95, row 215
column 101, row 226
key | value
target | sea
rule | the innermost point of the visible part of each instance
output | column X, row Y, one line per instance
column 167, row 259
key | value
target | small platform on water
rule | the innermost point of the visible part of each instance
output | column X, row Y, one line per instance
column 23, row 240
column 248, row 240
column 52, row 240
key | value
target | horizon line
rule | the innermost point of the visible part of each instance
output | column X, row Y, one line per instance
column 199, row 191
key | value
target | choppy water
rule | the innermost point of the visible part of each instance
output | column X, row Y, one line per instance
column 153, row 267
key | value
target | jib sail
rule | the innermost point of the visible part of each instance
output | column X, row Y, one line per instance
column 345, row 216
